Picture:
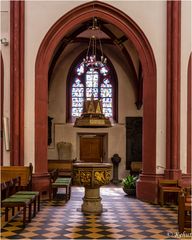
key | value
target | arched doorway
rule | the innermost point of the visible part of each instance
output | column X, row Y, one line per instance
column 138, row 38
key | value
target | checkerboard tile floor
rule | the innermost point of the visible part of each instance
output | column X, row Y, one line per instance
column 125, row 218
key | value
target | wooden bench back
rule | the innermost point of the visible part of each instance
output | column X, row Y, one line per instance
column 184, row 210
column 24, row 172
column 168, row 182
column 53, row 175
column 64, row 167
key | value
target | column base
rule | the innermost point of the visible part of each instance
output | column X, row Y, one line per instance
column 173, row 174
column 147, row 188
column 116, row 181
column 186, row 180
column 41, row 182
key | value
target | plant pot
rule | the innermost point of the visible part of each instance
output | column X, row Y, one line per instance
column 129, row 191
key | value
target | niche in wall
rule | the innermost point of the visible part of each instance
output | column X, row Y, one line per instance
column 133, row 140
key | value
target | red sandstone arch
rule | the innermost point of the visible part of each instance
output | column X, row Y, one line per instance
column 45, row 53
column 189, row 128
column 1, row 105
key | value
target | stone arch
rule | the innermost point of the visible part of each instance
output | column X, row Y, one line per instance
column 45, row 53
column 189, row 152
column 2, row 101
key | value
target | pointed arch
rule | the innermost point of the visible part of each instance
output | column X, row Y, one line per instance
column 189, row 152
column 135, row 34
column 1, row 105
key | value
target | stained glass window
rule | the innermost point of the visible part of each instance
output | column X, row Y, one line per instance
column 77, row 98
column 106, row 96
column 85, row 82
column 91, row 84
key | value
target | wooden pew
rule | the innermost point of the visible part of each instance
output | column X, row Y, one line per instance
column 184, row 211
column 61, row 182
column 65, row 167
column 11, row 198
column 168, row 186
column 12, row 202
column 24, row 172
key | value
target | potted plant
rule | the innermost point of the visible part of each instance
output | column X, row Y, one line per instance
column 129, row 184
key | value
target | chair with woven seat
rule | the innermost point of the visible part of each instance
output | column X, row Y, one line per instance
column 168, row 186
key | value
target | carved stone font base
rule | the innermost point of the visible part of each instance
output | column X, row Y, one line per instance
column 92, row 201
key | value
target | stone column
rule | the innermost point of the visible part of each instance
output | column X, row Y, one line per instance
column 17, row 33
column 172, row 170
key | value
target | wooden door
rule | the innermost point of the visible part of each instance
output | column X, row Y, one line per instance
column 91, row 149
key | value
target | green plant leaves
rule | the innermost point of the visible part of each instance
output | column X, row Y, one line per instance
column 130, row 182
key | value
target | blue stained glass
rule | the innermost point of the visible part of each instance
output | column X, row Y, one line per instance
column 106, row 83
column 77, row 83
column 104, row 71
column 107, row 112
column 76, row 112
column 107, row 100
column 91, row 91
column 92, row 79
column 106, row 95
column 107, row 104
column 77, row 98
column 106, row 92
column 91, row 83
column 80, row 69
column 78, row 93
column 78, row 90
column 77, row 102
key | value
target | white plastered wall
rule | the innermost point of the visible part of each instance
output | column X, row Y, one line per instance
column 5, row 50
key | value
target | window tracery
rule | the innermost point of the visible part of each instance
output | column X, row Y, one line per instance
column 87, row 82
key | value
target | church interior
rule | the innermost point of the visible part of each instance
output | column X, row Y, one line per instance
column 96, row 119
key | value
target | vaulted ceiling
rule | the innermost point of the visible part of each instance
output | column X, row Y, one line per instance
column 109, row 35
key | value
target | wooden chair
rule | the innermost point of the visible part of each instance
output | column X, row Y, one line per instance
column 33, row 195
column 36, row 200
column 19, row 202
column 168, row 186
column 4, row 190
column 184, row 211
column 61, row 183
column 53, row 176
column 19, row 199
